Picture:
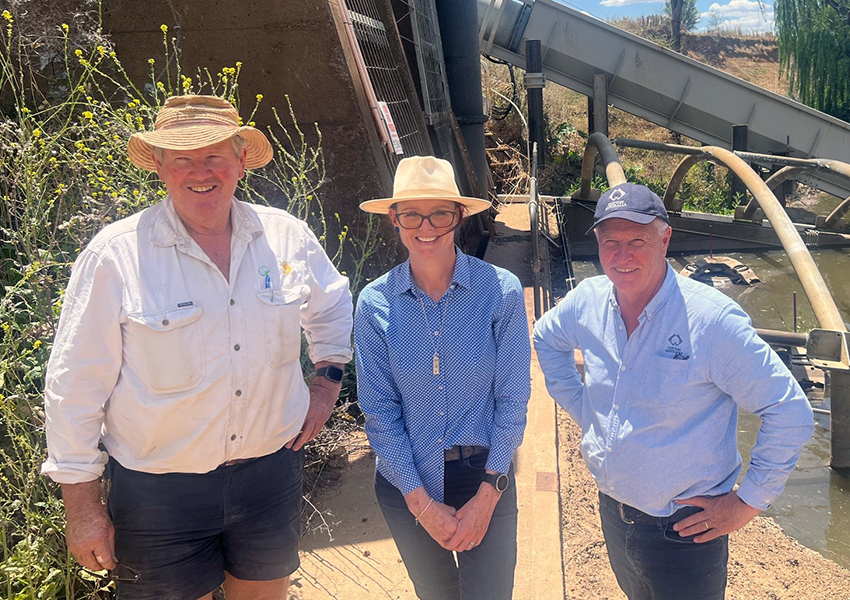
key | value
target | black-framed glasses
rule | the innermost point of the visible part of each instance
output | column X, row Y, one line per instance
column 120, row 574
column 438, row 219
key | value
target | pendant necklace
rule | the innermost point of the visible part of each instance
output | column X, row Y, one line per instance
column 438, row 335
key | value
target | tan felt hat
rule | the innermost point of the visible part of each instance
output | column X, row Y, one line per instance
column 190, row 122
column 424, row 178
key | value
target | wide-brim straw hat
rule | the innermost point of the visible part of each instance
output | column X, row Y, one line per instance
column 190, row 122
column 424, row 178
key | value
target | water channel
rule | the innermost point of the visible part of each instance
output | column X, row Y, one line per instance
column 815, row 506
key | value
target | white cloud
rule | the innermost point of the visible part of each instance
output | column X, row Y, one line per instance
column 616, row 3
column 744, row 14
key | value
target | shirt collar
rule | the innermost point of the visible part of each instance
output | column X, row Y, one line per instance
column 658, row 300
column 168, row 229
column 404, row 281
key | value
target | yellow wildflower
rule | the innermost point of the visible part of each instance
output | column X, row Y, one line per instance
column 164, row 28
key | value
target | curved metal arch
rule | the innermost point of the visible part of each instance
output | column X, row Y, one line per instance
column 685, row 165
column 597, row 142
column 795, row 172
column 810, row 277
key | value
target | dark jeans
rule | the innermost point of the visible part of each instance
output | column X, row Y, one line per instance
column 483, row 573
column 652, row 562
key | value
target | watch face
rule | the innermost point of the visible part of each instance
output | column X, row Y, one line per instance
column 502, row 483
column 330, row 373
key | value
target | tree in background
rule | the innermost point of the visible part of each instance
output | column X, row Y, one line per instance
column 814, row 52
column 683, row 15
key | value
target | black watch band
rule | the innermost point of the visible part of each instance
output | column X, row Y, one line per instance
column 499, row 481
column 330, row 373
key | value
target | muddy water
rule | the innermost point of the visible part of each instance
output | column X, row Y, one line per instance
column 815, row 506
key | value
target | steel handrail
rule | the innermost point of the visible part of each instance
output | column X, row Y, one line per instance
column 533, row 217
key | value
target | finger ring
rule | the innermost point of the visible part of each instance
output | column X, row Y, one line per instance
column 706, row 525
column 471, row 545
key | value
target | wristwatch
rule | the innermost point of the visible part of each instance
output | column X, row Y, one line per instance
column 497, row 480
column 331, row 373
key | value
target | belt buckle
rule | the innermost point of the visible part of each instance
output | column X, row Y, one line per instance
column 623, row 514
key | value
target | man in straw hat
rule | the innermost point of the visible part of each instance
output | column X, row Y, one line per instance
column 667, row 363
column 176, row 375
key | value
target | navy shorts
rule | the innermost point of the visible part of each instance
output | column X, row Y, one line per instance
column 182, row 531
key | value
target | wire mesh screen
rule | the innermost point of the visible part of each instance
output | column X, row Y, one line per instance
column 432, row 73
column 386, row 78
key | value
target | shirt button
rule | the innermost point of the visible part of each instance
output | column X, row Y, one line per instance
column 439, row 387
column 440, row 440
column 232, row 437
column 232, row 302
column 442, row 413
column 238, row 393
column 165, row 322
column 622, row 367
column 436, row 333
column 610, row 449
column 616, row 407
column 236, row 347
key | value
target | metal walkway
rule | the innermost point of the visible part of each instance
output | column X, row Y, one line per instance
column 662, row 86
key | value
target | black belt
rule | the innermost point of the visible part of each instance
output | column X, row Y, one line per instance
column 631, row 515
column 458, row 452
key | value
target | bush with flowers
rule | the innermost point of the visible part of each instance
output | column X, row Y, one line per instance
column 64, row 174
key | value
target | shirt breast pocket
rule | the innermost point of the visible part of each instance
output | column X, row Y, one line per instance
column 282, row 323
column 166, row 349
column 666, row 380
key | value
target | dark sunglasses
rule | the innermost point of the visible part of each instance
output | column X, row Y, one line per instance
column 120, row 574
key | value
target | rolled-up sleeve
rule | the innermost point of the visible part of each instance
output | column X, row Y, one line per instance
column 749, row 371
column 82, row 371
column 555, row 346
column 327, row 316
column 512, row 383
column 380, row 400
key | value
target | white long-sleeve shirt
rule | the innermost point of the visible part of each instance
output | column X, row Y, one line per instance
column 172, row 367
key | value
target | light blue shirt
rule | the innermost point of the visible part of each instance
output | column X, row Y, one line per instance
column 658, row 410
column 481, row 394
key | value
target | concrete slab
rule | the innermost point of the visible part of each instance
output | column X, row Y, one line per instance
column 359, row 560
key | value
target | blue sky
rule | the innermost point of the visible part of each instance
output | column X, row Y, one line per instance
column 745, row 14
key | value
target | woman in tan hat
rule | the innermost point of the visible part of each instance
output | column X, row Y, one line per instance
column 443, row 359
column 178, row 352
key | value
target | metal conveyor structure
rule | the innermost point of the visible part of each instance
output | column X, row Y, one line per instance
column 662, row 86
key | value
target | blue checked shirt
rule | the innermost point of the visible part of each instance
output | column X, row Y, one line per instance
column 481, row 394
column 658, row 410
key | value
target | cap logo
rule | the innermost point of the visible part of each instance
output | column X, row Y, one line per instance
column 616, row 201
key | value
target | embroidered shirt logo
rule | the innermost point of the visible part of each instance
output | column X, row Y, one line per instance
column 674, row 349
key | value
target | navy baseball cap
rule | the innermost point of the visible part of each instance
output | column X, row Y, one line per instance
column 629, row 201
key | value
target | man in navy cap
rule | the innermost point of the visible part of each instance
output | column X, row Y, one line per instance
column 667, row 363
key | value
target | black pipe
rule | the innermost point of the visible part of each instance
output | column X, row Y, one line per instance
column 536, row 125
column 459, row 32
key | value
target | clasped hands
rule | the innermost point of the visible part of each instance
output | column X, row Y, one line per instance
column 457, row 530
